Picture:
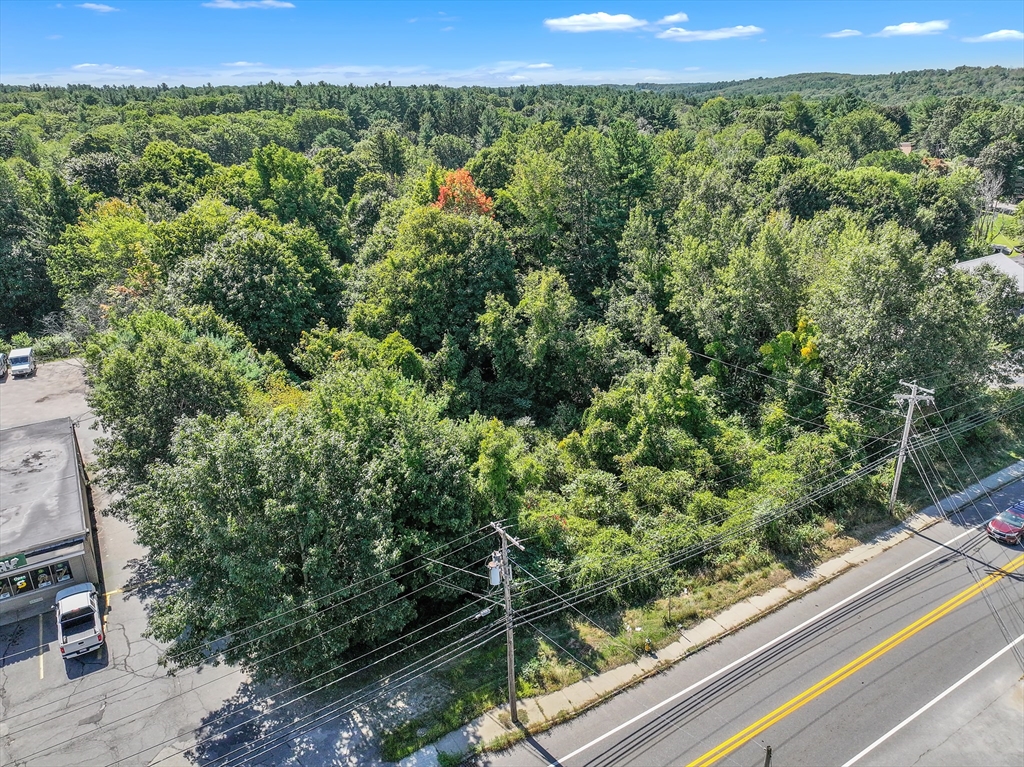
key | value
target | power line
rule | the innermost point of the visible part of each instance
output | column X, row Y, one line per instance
column 556, row 644
column 281, row 651
column 413, row 559
column 297, row 698
column 573, row 607
column 584, row 593
column 788, row 382
column 966, row 425
column 322, row 715
column 580, row 595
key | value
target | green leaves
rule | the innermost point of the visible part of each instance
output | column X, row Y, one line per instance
column 111, row 246
column 147, row 375
column 434, row 280
column 273, row 281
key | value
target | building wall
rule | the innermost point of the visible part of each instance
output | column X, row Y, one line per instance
column 29, row 590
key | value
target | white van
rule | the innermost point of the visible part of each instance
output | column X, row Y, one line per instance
column 23, row 362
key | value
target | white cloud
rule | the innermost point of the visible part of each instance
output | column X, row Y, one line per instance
column 98, row 7
column 913, row 28
column 699, row 35
column 675, row 18
column 237, row 5
column 541, row 65
column 594, row 22
column 997, row 37
column 107, row 71
column 845, row 33
column 243, row 64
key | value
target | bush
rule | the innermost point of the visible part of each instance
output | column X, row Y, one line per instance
column 55, row 347
column 20, row 340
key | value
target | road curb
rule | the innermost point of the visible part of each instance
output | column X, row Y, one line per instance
column 493, row 730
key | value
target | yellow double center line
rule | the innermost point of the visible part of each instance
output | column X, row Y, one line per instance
column 787, row 708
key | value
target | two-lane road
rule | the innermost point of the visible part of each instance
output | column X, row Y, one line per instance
column 915, row 657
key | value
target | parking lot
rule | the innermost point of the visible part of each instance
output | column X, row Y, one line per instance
column 118, row 704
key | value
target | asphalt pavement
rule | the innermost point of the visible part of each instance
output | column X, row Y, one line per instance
column 118, row 704
column 120, row 707
column 907, row 659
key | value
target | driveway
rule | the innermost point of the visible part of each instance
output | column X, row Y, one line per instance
column 94, row 710
column 122, row 707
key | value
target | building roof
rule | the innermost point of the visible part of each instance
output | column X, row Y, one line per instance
column 41, row 491
column 1008, row 266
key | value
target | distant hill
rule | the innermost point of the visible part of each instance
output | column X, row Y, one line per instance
column 999, row 83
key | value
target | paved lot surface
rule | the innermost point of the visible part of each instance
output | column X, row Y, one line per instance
column 776, row 682
column 121, row 707
column 94, row 710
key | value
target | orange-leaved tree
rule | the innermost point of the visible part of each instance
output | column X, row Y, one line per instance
column 459, row 194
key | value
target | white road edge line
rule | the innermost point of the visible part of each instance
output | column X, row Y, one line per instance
column 762, row 648
column 932, row 702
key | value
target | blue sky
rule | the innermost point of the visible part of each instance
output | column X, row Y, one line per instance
column 493, row 43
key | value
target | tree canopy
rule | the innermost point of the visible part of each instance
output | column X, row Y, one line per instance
column 329, row 328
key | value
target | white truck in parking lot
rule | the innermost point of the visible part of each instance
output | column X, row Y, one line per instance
column 79, row 623
column 22, row 362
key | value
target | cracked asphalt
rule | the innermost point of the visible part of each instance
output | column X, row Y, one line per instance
column 118, row 704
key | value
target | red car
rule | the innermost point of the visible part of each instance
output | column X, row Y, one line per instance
column 1008, row 527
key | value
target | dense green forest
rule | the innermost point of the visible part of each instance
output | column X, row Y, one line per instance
column 331, row 328
column 1004, row 85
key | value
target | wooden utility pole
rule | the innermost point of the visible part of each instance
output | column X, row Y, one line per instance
column 917, row 394
column 505, row 565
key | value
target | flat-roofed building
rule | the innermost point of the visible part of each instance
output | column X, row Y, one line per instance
column 46, row 537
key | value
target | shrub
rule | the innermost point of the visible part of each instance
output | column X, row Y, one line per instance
column 55, row 347
column 19, row 340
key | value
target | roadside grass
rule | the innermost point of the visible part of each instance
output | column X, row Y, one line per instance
column 573, row 644
column 963, row 461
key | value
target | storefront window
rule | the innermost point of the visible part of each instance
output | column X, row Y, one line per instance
column 62, row 572
column 42, row 577
column 20, row 584
column 5, row 588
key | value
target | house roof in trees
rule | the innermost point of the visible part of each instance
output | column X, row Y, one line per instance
column 42, row 487
column 1008, row 266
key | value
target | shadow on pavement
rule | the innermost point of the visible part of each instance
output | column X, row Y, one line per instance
column 26, row 639
column 250, row 729
column 87, row 664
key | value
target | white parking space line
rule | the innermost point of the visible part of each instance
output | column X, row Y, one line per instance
column 40, row 646
column 759, row 650
column 932, row 702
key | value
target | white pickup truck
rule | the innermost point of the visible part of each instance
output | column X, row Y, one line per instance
column 79, row 623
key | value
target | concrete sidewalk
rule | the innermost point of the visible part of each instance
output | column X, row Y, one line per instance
column 543, row 711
